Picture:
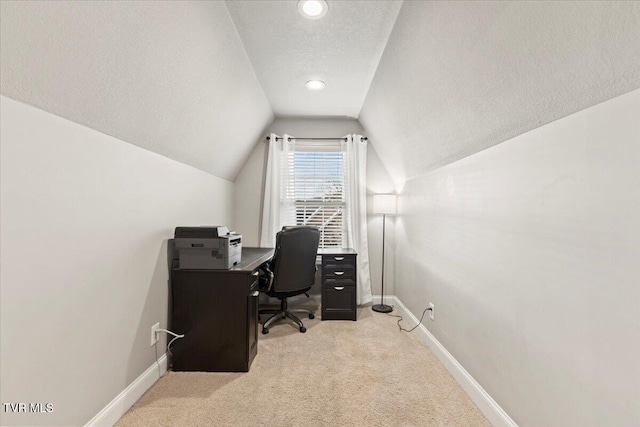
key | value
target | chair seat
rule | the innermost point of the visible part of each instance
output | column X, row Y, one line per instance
column 281, row 295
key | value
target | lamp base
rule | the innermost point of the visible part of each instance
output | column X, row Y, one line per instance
column 382, row 308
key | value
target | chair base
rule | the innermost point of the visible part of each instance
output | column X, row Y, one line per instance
column 284, row 313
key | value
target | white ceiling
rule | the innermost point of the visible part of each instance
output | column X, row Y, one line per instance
column 459, row 77
column 342, row 49
column 171, row 77
column 199, row 82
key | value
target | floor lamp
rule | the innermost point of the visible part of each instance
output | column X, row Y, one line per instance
column 384, row 204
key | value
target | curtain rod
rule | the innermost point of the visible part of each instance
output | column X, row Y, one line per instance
column 279, row 138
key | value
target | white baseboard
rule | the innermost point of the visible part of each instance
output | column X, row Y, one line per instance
column 111, row 413
column 494, row 413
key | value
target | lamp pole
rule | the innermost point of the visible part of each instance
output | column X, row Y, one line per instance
column 382, row 307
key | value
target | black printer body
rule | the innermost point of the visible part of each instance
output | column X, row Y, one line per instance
column 207, row 248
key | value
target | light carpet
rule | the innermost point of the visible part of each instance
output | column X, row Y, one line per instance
column 338, row 373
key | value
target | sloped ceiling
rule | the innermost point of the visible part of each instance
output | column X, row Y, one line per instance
column 171, row 77
column 455, row 77
column 342, row 49
column 459, row 77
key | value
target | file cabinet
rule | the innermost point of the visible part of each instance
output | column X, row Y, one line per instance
column 339, row 278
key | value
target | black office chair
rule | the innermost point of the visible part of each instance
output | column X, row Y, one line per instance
column 290, row 272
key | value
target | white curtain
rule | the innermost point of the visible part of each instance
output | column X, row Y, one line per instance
column 356, row 205
column 275, row 185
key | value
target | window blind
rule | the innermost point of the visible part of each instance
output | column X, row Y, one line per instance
column 313, row 193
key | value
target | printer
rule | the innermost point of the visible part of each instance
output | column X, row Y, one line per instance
column 207, row 248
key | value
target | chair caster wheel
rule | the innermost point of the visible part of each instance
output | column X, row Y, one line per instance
column 303, row 329
column 265, row 331
column 311, row 316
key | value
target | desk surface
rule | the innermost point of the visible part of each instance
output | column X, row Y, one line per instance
column 253, row 258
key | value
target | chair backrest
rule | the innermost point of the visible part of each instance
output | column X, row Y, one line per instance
column 294, row 259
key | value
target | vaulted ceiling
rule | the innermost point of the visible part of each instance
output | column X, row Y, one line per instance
column 342, row 49
column 459, row 77
column 431, row 81
column 169, row 76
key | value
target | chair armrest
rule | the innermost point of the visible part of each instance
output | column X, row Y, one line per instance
column 266, row 279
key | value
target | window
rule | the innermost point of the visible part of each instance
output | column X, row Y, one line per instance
column 314, row 193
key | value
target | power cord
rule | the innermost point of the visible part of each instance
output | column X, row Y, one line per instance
column 177, row 336
column 155, row 349
column 400, row 319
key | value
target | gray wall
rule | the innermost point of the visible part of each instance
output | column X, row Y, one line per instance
column 85, row 220
column 530, row 252
column 250, row 183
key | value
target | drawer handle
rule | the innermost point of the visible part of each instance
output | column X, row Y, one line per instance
column 338, row 288
column 338, row 273
column 255, row 273
column 255, row 294
column 338, row 258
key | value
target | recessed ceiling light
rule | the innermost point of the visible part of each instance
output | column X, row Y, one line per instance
column 313, row 9
column 315, row 84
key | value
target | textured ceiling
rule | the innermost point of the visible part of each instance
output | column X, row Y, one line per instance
column 171, row 77
column 455, row 77
column 342, row 49
column 459, row 77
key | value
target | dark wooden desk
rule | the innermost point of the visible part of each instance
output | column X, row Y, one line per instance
column 217, row 311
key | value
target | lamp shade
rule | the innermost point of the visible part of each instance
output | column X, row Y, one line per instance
column 384, row 204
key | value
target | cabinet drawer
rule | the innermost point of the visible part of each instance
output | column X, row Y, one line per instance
column 338, row 261
column 345, row 274
column 339, row 281
column 338, row 302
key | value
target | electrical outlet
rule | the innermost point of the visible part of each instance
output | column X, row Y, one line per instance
column 432, row 312
column 154, row 334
